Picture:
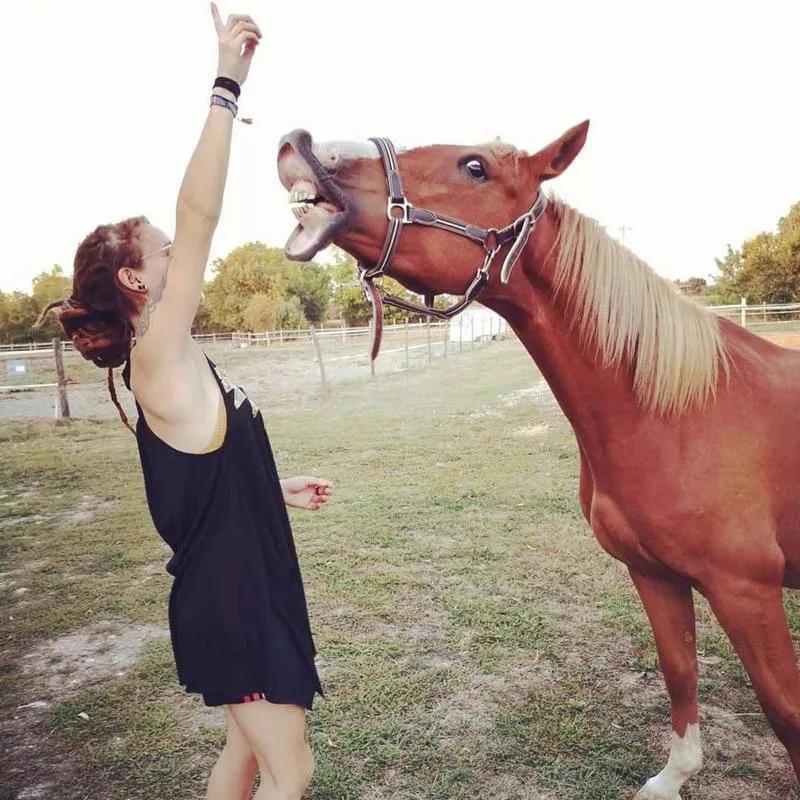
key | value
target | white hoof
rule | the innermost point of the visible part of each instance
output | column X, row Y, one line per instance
column 685, row 760
column 645, row 793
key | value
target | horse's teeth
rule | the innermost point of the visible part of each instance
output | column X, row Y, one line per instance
column 301, row 209
column 300, row 196
column 301, row 201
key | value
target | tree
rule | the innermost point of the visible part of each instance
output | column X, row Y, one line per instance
column 50, row 286
column 18, row 315
column 4, row 303
column 203, row 322
column 349, row 299
column 255, row 285
column 767, row 268
column 731, row 267
column 788, row 244
column 249, row 270
column 692, row 286
column 310, row 285
column 19, row 311
column 348, row 295
column 47, row 287
column 260, row 313
column 289, row 315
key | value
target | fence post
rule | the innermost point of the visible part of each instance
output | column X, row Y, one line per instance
column 319, row 354
column 406, row 327
column 62, row 410
column 744, row 312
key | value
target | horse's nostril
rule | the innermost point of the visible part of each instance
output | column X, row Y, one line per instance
column 328, row 155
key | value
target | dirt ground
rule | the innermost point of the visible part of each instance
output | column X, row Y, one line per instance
column 790, row 340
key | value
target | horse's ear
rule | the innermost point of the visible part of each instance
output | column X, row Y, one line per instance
column 552, row 160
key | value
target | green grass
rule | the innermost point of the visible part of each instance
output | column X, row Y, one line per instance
column 474, row 640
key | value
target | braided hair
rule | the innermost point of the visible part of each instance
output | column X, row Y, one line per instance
column 97, row 316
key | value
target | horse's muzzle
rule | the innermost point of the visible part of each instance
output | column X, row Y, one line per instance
column 323, row 212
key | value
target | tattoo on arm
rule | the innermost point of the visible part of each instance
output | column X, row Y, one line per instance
column 149, row 307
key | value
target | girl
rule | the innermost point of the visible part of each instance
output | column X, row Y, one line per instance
column 237, row 611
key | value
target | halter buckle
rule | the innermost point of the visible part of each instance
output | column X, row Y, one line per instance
column 491, row 245
column 404, row 207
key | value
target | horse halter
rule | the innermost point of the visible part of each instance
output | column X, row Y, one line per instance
column 401, row 212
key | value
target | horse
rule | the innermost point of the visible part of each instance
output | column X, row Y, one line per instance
column 687, row 425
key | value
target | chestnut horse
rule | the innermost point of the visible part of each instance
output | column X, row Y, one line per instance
column 688, row 426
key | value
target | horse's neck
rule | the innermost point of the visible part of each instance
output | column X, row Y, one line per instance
column 590, row 395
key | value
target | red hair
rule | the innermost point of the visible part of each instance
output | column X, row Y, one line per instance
column 97, row 315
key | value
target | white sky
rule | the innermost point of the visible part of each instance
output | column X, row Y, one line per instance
column 694, row 143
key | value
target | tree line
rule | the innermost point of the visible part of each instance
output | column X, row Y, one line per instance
column 256, row 288
column 765, row 269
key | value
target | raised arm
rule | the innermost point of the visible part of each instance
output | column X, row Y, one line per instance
column 163, row 330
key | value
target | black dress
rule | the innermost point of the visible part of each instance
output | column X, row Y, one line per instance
column 237, row 610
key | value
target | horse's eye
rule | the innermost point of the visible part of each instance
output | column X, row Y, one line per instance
column 475, row 169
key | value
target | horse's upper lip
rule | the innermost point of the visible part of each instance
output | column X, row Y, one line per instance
column 306, row 166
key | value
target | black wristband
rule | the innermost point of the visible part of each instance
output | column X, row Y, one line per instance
column 229, row 84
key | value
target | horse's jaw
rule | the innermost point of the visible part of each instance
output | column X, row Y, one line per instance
column 318, row 204
column 319, row 222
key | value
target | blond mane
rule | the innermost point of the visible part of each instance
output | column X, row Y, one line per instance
column 636, row 318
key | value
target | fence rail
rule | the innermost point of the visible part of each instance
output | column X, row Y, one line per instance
column 781, row 315
column 744, row 313
column 267, row 338
column 490, row 327
column 24, row 367
column 239, row 338
column 308, row 357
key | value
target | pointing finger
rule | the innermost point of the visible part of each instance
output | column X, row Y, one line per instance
column 218, row 24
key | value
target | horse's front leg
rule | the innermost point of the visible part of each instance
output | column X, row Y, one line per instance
column 670, row 609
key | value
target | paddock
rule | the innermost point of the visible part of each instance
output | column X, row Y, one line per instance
column 474, row 641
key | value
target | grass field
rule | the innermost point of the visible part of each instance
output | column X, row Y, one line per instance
column 474, row 640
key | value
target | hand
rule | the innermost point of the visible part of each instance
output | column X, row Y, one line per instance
column 238, row 38
column 305, row 492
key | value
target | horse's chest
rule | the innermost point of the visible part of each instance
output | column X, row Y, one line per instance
column 616, row 536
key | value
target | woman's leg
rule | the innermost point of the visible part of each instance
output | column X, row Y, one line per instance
column 277, row 736
column 233, row 774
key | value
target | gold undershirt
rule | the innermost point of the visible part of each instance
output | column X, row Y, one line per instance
column 219, row 432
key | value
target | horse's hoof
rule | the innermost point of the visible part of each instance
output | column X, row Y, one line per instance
column 646, row 793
